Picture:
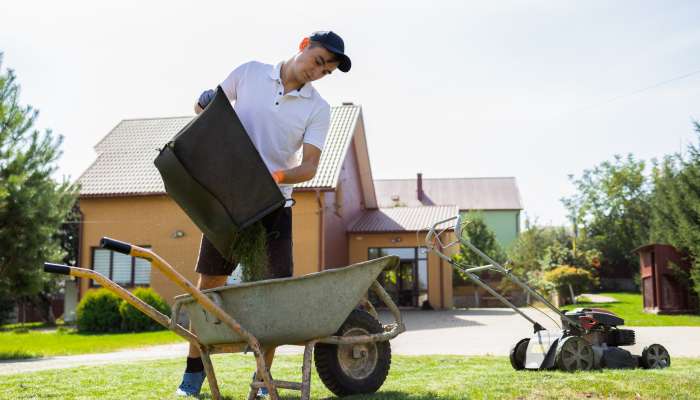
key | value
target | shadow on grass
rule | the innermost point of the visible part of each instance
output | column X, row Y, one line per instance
column 392, row 395
column 383, row 395
column 16, row 355
column 27, row 326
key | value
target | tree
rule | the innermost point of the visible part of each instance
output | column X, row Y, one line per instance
column 32, row 204
column 676, row 205
column 612, row 205
column 69, row 236
column 539, row 250
column 475, row 230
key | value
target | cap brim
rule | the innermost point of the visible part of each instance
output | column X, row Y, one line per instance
column 345, row 62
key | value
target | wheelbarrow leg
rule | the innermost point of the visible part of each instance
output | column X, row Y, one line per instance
column 264, row 375
column 306, row 371
column 209, row 369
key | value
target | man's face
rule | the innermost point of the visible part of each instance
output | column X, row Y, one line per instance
column 314, row 63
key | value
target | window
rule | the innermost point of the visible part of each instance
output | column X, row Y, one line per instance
column 405, row 253
column 411, row 276
column 122, row 269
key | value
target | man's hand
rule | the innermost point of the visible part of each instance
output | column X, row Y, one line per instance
column 278, row 176
column 204, row 99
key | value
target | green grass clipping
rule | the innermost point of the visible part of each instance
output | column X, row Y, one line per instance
column 249, row 248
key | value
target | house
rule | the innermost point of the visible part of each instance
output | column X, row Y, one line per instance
column 337, row 219
column 496, row 199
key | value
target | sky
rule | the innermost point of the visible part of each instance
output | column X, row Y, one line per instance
column 536, row 90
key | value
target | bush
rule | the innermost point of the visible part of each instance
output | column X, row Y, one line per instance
column 564, row 275
column 136, row 321
column 98, row 311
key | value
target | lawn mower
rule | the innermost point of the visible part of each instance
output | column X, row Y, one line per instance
column 589, row 338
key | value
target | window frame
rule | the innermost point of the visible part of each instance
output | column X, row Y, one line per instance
column 131, row 283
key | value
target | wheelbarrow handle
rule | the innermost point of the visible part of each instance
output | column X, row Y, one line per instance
column 57, row 268
column 115, row 245
column 124, row 294
column 175, row 276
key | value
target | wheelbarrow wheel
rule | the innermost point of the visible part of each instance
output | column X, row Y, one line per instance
column 354, row 369
column 518, row 353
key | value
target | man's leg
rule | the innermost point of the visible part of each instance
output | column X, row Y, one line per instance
column 269, row 356
column 279, row 252
column 213, row 271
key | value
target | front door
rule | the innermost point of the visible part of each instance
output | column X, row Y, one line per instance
column 402, row 283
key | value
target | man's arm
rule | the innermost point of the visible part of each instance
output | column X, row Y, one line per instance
column 304, row 172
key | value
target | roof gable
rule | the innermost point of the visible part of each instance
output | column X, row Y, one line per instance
column 340, row 133
column 124, row 164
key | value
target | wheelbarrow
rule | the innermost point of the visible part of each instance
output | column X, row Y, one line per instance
column 589, row 338
column 318, row 311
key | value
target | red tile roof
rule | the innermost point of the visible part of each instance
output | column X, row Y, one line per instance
column 401, row 219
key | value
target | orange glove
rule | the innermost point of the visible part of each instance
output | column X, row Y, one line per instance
column 278, row 176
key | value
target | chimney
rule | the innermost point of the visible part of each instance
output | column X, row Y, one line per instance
column 419, row 181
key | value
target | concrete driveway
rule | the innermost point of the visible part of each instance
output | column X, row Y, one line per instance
column 493, row 331
column 487, row 331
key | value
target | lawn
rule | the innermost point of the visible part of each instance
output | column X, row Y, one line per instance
column 411, row 378
column 22, row 343
column 629, row 307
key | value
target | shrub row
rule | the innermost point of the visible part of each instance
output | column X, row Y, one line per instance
column 103, row 311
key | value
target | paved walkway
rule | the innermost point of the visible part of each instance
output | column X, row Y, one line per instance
column 489, row 331
column 596, row 298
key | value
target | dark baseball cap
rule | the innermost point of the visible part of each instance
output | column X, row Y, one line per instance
column 333, row 43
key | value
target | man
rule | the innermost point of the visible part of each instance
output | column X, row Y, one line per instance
column 283, row 115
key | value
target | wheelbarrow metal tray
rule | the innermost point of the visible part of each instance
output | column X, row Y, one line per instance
column 288, row 310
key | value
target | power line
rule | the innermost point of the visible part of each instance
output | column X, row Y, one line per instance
column 644, row 89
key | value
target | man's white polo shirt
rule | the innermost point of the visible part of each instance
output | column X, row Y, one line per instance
column 277, row 124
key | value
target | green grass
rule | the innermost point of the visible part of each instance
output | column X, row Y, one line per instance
column 629, row 307
column 60, row 342
column 411, row 378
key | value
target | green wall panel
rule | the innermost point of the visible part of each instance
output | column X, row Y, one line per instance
column 505, row 224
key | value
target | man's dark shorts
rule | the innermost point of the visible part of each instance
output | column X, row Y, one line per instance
column 279, row 249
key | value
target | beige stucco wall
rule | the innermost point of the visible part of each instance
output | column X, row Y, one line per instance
column 152, row 220
column 439, row 272
column 307, row 222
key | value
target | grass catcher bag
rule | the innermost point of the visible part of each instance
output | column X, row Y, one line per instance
column 214, row 173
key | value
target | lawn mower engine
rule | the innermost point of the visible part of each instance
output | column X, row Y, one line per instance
column 590, row 339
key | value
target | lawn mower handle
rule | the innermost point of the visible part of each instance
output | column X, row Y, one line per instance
column 434, row 243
